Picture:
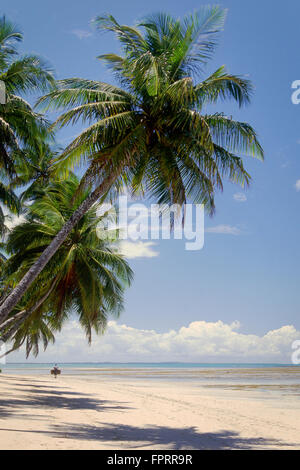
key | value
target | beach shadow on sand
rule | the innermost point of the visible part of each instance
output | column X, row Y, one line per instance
column 124, row 437
column 37, row 396
column 172, row 438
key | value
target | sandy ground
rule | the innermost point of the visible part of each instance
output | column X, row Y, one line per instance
column 39, row 412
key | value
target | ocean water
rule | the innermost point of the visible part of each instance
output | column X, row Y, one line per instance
column 139, row 365
column 269, row 379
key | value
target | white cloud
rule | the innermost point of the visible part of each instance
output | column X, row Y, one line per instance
column 240, row 197
column 137, row 249
column 224, row 229
column 297, row 185
column 200, row 341
column 81, row 33
column 11, row 220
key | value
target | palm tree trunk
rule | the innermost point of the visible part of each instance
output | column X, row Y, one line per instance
column 18, row 292
column 18, row 319
column 18, row 315
column 9, row 333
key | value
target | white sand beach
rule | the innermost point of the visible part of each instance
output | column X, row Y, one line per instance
column 76, row 412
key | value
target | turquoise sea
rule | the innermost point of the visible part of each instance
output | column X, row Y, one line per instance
column 283, row 379
column 34, row 366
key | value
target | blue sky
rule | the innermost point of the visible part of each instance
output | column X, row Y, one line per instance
column 251, row 276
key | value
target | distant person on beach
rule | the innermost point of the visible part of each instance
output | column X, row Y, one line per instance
column 55, row 371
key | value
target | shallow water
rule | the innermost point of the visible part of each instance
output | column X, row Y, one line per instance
column 267, row 379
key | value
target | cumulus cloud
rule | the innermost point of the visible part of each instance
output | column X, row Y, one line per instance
column 297, row 185
column 200, row 341
column 240, row 197
column 224, row 229
column 137, row 249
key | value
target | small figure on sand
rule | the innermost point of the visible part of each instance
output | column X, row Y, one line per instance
column 55, row 371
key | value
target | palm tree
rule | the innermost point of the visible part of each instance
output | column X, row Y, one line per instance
column 8, row 199
column 34, row 170
column 2, row 264
column 85, row 276
column 19, row 125
column 151, row 133
column 21, row 75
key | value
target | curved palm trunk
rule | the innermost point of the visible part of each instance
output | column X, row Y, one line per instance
column 5, row 324
column 14, row 297
column 9, row 333
column 17, row 320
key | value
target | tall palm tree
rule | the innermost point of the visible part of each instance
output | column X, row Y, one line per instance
column 85, row 277
column 152, row 133
column 2, row 264
column 34, row 170
column 21, row 75
column 19, row 125
column 8, row 199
